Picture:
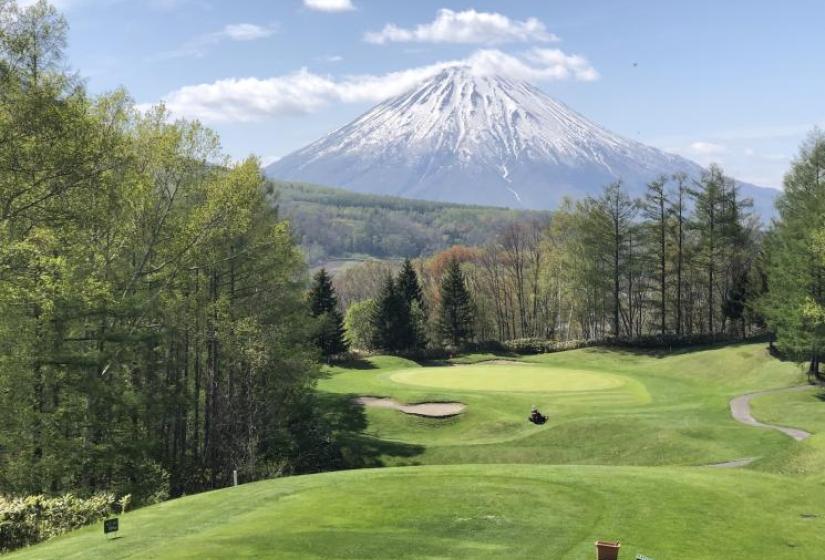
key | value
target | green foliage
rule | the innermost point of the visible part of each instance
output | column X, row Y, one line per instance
column 323, row 304
column 409, row 286
column 360, row 324
column 31, row 519
column 336, row 223
column 795, row 270
column 392, row 322
column 153, row 322
column 455, row 321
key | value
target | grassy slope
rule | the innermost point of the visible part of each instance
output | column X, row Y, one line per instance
column 473, row 512
column 666, row 411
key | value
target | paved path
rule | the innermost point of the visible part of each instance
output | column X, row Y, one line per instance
column 738, row 463
column 740, row 409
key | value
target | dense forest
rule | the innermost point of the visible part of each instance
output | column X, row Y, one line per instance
column 153, row 319
column 334, row 223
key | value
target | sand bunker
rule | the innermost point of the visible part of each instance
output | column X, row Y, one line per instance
column 502, row 363
column 429, row 410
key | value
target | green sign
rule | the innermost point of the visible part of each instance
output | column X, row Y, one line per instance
column 110, row 526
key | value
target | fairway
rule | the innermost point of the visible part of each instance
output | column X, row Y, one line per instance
column 473, row 512
column 508, row 378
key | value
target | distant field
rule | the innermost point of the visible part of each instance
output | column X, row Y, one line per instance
column 624, row 456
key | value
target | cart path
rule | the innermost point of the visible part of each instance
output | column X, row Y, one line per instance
column 740, row 409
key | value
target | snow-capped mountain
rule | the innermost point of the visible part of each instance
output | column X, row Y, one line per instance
column 463, row 137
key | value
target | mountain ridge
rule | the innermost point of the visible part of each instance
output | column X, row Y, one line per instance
column 483, row 139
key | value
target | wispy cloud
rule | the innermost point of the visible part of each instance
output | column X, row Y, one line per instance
column 200, row 45
column 329, row 5
column 468, row 26
column 251, row 99
column 707, row 148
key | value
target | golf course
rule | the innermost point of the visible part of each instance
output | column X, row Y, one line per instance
column 639, row 447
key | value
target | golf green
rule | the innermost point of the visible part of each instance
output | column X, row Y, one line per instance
column 508, row 378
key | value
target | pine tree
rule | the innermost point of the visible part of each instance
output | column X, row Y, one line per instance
column 409, row 286
column 455, row 322
column 392, row 326
column 323, row 304
column 410, row 289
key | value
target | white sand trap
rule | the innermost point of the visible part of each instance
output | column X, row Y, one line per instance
column 502, row 363
column 430, row 410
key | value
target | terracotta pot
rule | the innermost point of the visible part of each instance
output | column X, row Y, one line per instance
column 607, row 550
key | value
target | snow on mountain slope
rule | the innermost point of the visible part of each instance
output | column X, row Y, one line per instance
column 463, row 137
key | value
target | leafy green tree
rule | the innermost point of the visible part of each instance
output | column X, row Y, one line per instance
column 455, row 320
column 795, row 273
column 152, row 303
column 359, row 323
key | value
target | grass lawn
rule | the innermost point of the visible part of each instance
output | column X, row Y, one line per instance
column 620, row 459
column 606, row 407
column 474, row 512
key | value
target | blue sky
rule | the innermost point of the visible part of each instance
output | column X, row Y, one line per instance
column 738, row 82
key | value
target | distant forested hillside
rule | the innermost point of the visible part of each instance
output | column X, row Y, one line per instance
column 334, row 223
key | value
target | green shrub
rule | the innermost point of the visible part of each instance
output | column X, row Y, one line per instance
column 28, row 520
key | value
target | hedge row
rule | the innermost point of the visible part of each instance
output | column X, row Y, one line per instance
column 541, row 346
column 31, row 519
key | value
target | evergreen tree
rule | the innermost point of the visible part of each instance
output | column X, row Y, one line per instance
column 409, row 285
column 410, row 289
column 455, row 321
column 323, row 304
column 392, row 324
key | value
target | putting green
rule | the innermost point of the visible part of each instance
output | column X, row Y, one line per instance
column 512, row 378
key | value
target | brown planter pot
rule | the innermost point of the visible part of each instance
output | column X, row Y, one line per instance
column 607, row 550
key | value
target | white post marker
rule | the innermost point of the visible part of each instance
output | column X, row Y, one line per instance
column 235, row 477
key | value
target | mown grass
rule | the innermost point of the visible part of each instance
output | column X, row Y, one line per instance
column 474, row 512
column 619, row 459
column 608, row 407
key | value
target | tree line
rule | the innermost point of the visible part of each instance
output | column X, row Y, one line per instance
column 153, row 319
column 682, row 261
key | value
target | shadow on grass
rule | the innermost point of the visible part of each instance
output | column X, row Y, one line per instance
column 355, row 363
column 348, row 421
column 664, row 352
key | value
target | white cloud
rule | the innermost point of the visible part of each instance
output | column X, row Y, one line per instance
column 200, row 45
column 251, row 99
column 245, row 32
column 468, row 26
column 707, row 149
column 329, row 5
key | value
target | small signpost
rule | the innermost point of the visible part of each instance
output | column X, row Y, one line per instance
column 110, row 527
